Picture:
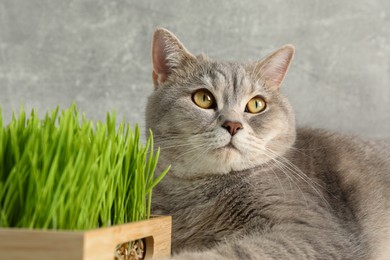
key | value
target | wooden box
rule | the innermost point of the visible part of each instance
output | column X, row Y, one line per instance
column 86, row 245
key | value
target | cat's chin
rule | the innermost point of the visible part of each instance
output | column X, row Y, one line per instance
column 228, row 149
column 224, row 160
column 180, row 172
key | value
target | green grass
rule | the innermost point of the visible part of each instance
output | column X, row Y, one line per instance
column 65, row 172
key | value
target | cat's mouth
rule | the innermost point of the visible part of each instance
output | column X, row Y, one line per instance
column 230, row 145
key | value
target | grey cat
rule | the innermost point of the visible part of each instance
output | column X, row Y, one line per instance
column 245, row 183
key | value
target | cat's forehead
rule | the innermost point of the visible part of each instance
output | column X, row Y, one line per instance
column 231, row 78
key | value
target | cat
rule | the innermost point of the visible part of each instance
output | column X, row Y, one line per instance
column 245, row 182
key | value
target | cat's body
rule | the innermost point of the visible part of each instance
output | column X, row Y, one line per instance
column 245, row 184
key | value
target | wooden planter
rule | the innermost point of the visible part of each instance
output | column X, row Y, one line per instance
column 86, row 245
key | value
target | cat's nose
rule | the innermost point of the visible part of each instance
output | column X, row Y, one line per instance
column 232, row 127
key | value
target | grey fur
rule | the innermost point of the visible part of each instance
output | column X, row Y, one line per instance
column 282, row 192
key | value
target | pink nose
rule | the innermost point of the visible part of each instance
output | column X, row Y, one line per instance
column 232, row 127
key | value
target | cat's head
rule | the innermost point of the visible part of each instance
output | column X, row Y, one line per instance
column 212, row 117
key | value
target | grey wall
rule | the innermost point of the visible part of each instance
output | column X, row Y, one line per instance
column 97, row 53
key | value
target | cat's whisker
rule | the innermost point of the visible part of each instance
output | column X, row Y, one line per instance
column 286, row 171
column 190, row 164
column 194, row 148
column 291, row 177
column 286, row 166
column 179, row 137
column 303, row 152
column 269, row 166
column 289, row 165
column 166, row 147
column 200, row 154
column 293, row 167
column 171, row 142
column 301, row 175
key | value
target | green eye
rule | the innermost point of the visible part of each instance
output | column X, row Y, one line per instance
column 255, row 105
column 203, row 99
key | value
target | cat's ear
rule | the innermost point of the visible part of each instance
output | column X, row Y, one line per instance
column 272, row 70
column 168, row 53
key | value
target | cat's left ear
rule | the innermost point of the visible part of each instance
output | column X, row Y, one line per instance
column 168, row 55
column 272, row 70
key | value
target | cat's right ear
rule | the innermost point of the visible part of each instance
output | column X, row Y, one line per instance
column 168, row 54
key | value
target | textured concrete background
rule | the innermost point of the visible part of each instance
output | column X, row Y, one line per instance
column 97, row 53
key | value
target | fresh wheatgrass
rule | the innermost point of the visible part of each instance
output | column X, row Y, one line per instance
column 65, row 172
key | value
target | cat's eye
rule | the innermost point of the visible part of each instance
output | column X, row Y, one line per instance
column 204, row 99
column 255, row 105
